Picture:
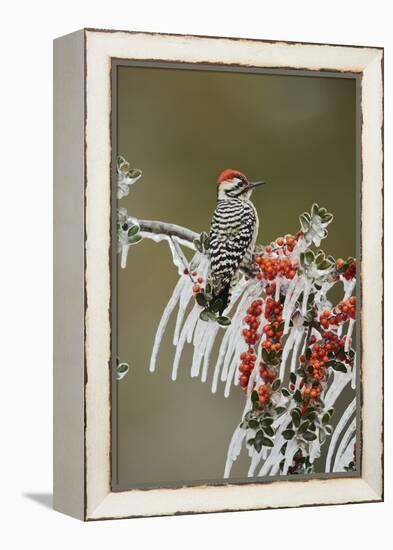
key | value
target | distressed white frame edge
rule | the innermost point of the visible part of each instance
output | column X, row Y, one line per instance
column 101, row 46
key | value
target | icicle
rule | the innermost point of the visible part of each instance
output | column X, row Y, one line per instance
column 351, row 324
column 306, row 293
column 236, row 442
column 206, row 359
column 274, row 455
column 185, row 298
column 290, row 452
column 315, row 451
column 252, row 379
column 348, row 288
column 290, row 305
column 338, row 467
column 347, row 455
column 164, row 321
column 188, row 329
column 234, row 449
column 290, row 290
column 124, row 254
column 286, row 351
column 255, row 460
column 340, row 380
column 353, row 377
column 295, row 353
column 349, row 411
column 200, row 340
column 278, row 285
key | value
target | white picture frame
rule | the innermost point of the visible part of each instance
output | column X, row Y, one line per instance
column 82, row 176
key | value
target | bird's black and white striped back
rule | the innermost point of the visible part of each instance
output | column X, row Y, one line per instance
column 232, row 237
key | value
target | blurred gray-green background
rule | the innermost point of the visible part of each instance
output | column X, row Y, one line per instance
column 182, row 128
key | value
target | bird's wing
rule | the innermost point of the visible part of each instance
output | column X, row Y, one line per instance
column 231, row 234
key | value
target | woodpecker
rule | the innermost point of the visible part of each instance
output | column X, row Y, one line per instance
column 233, row 233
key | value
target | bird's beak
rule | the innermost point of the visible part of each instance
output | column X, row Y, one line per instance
column 253, row 184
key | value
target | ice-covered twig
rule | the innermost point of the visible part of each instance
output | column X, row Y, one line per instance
column 350, row 410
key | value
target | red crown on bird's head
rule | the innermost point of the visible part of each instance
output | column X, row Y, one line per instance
column 228, row 174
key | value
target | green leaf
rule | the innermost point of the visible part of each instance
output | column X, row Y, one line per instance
column 208, row 288
column 216, row 305
column 315, row 209
column 280, row 410
column 254, row 397
column 322, row 212
column 288, row 434
column 276, row 384
column 322, row 437
column 259, row 435
column 223, row 321
column 325, row 418
column 197, row 245
column 201, row 299
column 269, row 431
column 204, row 315
column 265, row 355
column 285, row 392
column 267, row 442
column 133, row 230
column 295, row 414
column 272, row 355
column 309, row 257
column 309, row 436
column 203, row 237
column 254, row 424
column 340, row 367
column 134, row 240
column 324, row 265
column 292, row 378
column 122, row 368
column 328, row 218
column 320, row 257
column 308, row 354
column 309, row 414
column 283, row 448
column 267, row 421
column 305, row 225
column 303, row 427
column 297, row 396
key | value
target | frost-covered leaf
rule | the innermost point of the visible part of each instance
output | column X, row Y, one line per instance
column 121, row 370
column 126, row 177
column 288, row 434
column 223, row 321
column 201, row 299
column 204, row 315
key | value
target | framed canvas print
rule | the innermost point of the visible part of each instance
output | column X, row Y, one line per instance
column 218, row 274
